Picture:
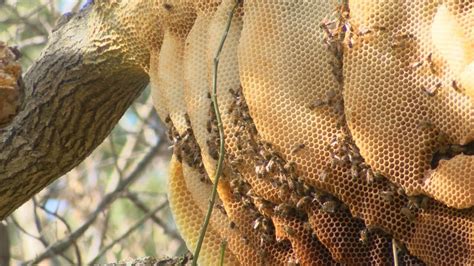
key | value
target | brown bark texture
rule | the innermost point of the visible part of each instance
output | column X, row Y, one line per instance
column 88, row 75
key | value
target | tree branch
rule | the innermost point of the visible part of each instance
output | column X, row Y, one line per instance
column 91, row 71
column 128, row 232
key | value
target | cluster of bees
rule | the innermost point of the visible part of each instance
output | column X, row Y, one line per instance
column 340, row 32
column 185, row 146
column 294, row 196
column 345, row 153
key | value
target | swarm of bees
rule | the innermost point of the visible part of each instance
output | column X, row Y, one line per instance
column 185, row 147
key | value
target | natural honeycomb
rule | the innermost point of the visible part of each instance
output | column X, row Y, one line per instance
column 452, row 175
column 188, row 217
column 411, row 100
column 346, row 126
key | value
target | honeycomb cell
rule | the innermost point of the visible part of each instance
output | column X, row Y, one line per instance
column 453, row 175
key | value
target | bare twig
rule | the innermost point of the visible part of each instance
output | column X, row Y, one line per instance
column 222, row 254
column 23, row 230
column 140, row 205
column 68, row 228
column 103, row 231
column 65, row 243
column 128, row 232
column 39, row 229
column 220, row 161
column 26, row 20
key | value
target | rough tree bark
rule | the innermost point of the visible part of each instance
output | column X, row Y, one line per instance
column 91, row 71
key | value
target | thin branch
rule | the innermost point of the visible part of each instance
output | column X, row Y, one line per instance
column 39, row 228
column 103, row 231
column 220, row 161
column 65, row 243
column 26, row 21
column 142, row 206
column 115, row 156
column 128, row 232
column 69, row 230
column 23, row 230
column 222, row 254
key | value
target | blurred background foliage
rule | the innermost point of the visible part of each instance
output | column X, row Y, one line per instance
column 111, row 207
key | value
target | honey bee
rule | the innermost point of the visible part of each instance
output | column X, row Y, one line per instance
column 297, row 148
column 284, row 191
column 289, row 167
column 455, row 148
column 316, row 104
column 326, row 26
column 167, row 6
column 455, row 86
column 329, row 206
column 250, row 193
column 431, row 63
column 351, row 41
column 247, row 203
column 236, row 184
column 292, row 262
column 400, row 191
column 304, row 202
column 220, row 207
column 231, row 108
column 408, row 214
column 265, row 154
column 187, row 119
column 307, row 226
column 291, row 185
column 362, row 30
column 425, row 124
column 209, row 126
column 265, row 238
column 267, row 226
column 263, row 206
column 364, row 236
column 379, row 28
column 234, row 93
column 323, row 175
column 354, row 171
column 339, row 160
column 402, row 39
column 424, row 204
column 257, row 222
column 260, row 171
column 417, row 64
column 289, row 231
column 270, row 166
column 433, row 90
column 387, row 195
column 284, row 210
column 232, row 225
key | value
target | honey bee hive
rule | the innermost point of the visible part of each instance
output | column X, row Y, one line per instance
column 348, row 126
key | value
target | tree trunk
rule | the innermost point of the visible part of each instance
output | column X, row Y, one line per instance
column 91, row 71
